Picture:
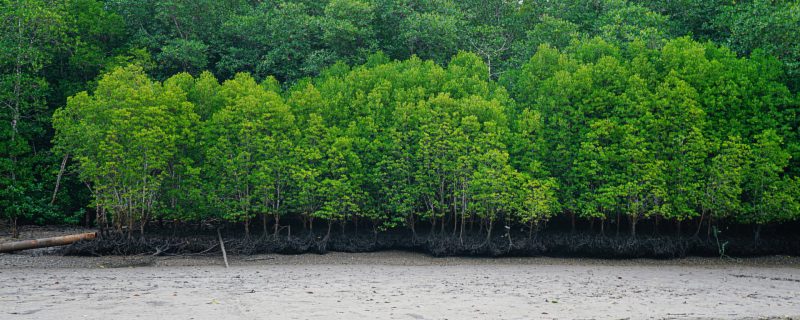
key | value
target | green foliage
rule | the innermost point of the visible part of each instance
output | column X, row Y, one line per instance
column 631, row 129
column 769, row 194
column 764, row 25
column 387, row 113
column 186, row 55
column 248, row 144
column 124, row 137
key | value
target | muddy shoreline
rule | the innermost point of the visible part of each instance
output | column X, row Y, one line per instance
column 395, row 285
column 382, row 258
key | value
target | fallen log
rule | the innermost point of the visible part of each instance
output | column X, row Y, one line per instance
column 45, row 242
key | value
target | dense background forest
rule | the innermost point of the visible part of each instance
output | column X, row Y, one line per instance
column 460, row 117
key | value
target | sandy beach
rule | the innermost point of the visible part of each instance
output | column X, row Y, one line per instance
column 395, row 285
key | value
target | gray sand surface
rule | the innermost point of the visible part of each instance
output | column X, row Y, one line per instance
column 394, row 285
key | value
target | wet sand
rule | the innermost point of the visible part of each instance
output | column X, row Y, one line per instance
column 394, row 285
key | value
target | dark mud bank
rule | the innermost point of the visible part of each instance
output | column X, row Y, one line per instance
column 548, row 244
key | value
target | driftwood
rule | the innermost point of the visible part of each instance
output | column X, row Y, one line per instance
column 45, row 242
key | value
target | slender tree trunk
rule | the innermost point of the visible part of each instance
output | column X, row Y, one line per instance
column 530, row 230
column 489, row 227
column 471, row 223
column 700, row 223
column 247, row 228
column 603, row 226
column 455, row 224
column 14, row 228
column 58, row 178
column 633, row 226
column 572, row 221
column 655, row 224
column 463, row 224
column 433, row 226
column 441, row 229
column 463, row 212
column 508, row 234
column 413, row 223
column 277, row 224
column 130, row 222
column 264, row 225
column 99, row 219
column 328, row 234
column 618, row 222
column 757, row 235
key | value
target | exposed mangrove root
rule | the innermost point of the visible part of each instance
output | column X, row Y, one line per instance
column 554, row 244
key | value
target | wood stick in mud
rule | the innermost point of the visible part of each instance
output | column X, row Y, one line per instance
column 45, row 242
column 222, row 246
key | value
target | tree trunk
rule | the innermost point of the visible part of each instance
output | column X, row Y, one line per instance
column 757, row 235
column 572, row 221
column 277, row 224
column 58, row 178
column 603, row 227
column 633, row 227
column 130, row 225
column 433, row 226
column 508, row 234
column 98, row 212
column 412, row 223
column 700, row 223
column 455, row 224
column 489, row 230
column 264, row 225
column 328, row 234
column 463, row 224
column 471, row 223
column 247, row 228
column 14, row 228
column 655, row 224
column 530, row 231
column 441, row 229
